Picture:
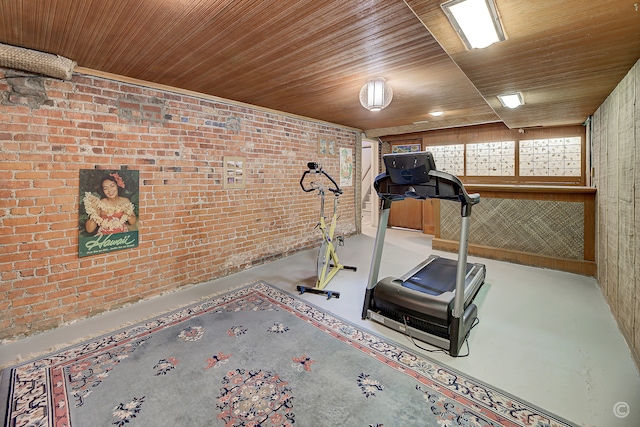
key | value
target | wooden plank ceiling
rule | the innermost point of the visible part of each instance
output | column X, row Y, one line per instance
column 311, row 57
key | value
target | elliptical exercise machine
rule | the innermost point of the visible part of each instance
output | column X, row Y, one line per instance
column 328, row 263
column 433, row 301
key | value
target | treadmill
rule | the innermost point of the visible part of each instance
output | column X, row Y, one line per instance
column 433, row 301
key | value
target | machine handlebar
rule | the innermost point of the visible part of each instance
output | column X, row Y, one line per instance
column 315, row 168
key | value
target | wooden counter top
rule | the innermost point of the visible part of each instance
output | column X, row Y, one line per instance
column 541, row 189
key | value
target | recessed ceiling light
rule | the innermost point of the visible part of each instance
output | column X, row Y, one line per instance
column 511, row 100
column 476, row 22
column 437, row 113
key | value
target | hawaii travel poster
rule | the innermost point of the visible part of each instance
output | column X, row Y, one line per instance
column 109, row 211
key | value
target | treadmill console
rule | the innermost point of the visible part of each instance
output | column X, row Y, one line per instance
column 408, row 175
column 414, row 175
column 409, row 168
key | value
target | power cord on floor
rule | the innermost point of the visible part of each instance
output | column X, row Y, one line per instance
column 476, row 321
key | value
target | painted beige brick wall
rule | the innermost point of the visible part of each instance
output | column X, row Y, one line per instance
column 616, row 157
column 191, row 229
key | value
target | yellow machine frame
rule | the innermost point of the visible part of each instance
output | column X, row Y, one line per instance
column 328, row 262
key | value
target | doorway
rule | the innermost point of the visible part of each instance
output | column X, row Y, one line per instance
column 369, row 171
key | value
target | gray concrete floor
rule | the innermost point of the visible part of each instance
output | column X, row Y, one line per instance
column 546, row 337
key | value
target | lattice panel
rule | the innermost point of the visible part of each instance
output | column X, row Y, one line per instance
column 536, row 226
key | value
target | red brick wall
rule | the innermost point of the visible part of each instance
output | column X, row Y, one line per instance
column 191, row 229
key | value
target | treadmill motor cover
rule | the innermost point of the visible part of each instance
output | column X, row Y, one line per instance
column 431, row 302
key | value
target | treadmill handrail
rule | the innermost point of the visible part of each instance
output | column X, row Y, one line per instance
column 467, row 200
column 445, row 186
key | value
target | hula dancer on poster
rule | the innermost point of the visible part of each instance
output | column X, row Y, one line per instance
column 113, row 213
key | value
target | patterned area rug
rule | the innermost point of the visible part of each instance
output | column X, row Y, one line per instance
column 252, row 357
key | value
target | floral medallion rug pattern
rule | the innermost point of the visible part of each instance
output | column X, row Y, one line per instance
column 253, row 357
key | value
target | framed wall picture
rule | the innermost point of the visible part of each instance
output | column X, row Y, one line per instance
column 346, row 167
column 109, row 211
column 327, row 146
column 323, row 146
column 406, row 148
column 234, row 172
column 331, row 147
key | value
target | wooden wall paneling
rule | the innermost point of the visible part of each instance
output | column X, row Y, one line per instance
column 428, row 217
column 611, row 219
column 499, row 132
column 626, row 242
column 406, row 214
column 636, row 230
column 492, row 132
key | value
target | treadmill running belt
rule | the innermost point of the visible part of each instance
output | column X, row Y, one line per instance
column 436, row 277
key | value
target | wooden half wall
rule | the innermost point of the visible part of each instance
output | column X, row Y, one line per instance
column 541, row 226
